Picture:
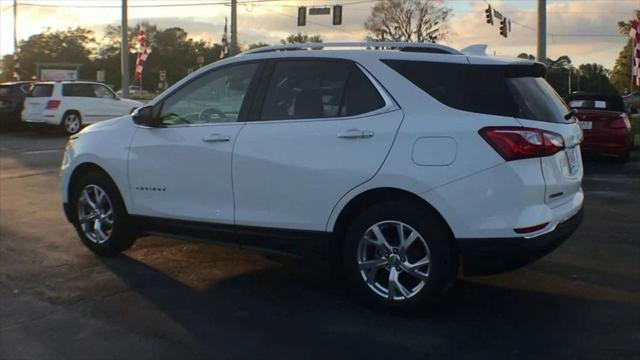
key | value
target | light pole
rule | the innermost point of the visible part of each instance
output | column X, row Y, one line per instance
column 124, row 51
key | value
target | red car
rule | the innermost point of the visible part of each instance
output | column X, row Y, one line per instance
column 604, row 120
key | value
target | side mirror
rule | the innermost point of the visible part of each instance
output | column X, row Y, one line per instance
column 144, row 116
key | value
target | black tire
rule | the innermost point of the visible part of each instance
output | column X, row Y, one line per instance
column 122, row 232
column 441, row 270
column 71, row 122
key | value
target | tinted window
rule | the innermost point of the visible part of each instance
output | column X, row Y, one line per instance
column 515, row 91
column 41, row 90
column 311, row 89
column 537, row 100
column 214, row 97
column 78, row 90
column 360, row 96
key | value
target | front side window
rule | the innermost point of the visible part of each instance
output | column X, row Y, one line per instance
column 103, row 92
column 212, row 98
column 315, row 89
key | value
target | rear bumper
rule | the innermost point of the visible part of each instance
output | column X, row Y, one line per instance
column 492, row 256
column 46, row 117
column 615, row 142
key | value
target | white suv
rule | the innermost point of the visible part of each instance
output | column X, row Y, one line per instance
column 72, row 104
column 401, row 163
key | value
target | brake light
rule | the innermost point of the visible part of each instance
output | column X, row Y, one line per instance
column 621, row 122
column 514, row 143
column 53, row 104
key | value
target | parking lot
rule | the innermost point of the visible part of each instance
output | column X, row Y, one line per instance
column 176, row 300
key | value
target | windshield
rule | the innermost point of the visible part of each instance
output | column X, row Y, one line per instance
column 537, row 100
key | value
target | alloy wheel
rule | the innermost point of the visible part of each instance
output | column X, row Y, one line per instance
column 95, row 214
column 72, row 123
column 394, row 260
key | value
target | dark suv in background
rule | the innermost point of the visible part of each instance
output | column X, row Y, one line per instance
column 12, row 97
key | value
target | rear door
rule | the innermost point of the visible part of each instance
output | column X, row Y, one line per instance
column 82, row 97
column 321, row 128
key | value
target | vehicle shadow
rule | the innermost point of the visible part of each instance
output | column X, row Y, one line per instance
column 301, row 311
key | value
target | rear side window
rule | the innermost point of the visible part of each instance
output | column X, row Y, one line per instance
column 41, row 90
column 512, row 91
column 311, row 89
column 78, row 90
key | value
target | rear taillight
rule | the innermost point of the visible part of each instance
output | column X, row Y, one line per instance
column 513, row 143
column 621, row 122
column 53, row 104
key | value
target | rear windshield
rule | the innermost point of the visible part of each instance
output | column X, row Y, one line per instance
column 41, row 90
column 514, row 91
column 606, row 104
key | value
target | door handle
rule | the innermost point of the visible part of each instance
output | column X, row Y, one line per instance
column 216, row 138
column 355, row 134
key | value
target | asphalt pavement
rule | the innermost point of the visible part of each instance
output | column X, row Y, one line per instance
column 171, row 299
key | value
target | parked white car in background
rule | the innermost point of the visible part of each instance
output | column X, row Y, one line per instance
column 402, row 162
column 72, row 104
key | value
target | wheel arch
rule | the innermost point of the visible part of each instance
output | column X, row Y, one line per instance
column 377, row 195
column 86, row 168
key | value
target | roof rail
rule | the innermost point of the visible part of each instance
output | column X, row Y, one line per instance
column 375, row 45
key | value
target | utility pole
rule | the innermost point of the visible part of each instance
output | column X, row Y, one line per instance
column 233, row 49
column 16, row 65
column 124, row 51
column 15, row 26
column 542, row 30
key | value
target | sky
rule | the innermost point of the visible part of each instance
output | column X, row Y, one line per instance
column 585, row 30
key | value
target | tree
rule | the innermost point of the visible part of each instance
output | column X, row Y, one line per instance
column 301, row 38
column 594, row 78
column 172, row 50
column 621, row 74
column 62, row 46
column 256, row 45
column 558, row 72
column 408, row 20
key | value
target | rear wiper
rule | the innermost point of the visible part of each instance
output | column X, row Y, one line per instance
column 571, row 114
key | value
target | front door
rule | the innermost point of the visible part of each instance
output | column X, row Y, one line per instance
column 182, row 170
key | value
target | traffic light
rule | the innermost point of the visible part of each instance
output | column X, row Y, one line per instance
column 302, row 16
column 337, row 15
column 489, row 14
column 504, row 30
